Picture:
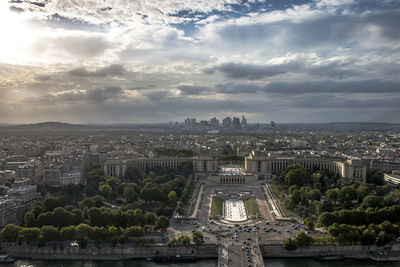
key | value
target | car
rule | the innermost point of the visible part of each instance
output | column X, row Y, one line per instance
column 249, row 238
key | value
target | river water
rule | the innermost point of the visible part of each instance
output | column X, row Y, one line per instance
column 200, row 263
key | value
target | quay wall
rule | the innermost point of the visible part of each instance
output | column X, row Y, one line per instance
column 207, row 251
column 351, row 252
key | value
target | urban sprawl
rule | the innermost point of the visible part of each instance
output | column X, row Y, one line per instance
column 237, row 191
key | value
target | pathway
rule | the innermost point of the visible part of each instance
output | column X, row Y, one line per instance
column 198, row 200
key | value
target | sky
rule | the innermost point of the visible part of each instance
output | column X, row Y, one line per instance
column 144, row 61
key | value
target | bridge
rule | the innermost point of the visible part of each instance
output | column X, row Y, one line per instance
column 234, row 254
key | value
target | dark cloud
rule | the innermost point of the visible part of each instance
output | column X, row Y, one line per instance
column 37, row 3
column 314, row 87
column 337, row 30
column 330, row 86
column 112, row 70
column 388, row 22
column 193, row 89
column 231, row 88
column 94, row 96
column 336, row 70
column 43, row 78
column 249, row 71
column 156, row 95
column 101, row 95
column 209, row 70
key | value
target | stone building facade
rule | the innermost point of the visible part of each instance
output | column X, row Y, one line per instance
column 264, row 166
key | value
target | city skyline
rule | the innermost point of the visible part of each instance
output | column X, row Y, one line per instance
column 159, row 61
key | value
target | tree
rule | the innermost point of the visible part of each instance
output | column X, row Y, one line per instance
column 113, row 232
column 61, row 217
column 151, row 218
column 372, row 201
column 333, row 194
column 172, row 197
column 10, row 233
column 363, row 191
column 165, row 188
column 197, row 237
column 375, row 177
column 327, row 218
column 29, row 234
column 77, row 216
column 184, row 240
column 368, row 237
column 45, row 218
column 105, row 190
column 29, row 219
column 289, row 244
column 130, row 218
column 97, row 217
column 162, row 223
column 38, row 208
column 303, row 240
column 134, row 231
column 52, row 202
column 383, row 238
column 348, row 194
column 309, row 223
column 151, row 193
column 113, row 182
column 139, row 217
column 297, row 175
column 133, row 174
column 67, row 233
column 82, row 230
column 130, row 194
column 383, row 190
column 50, row 233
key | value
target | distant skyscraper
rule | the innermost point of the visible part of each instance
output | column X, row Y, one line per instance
column 214, row 122
column 273, row 124
column 187, row 122
column 227, row 123
column 244, row 122
column 190, row 122
column 236, row 123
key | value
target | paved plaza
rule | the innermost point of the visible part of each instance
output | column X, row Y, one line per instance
column 210, row 189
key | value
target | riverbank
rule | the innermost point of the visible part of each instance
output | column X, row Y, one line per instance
column 60, row 251
column 91, row 252
column 356, row 252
